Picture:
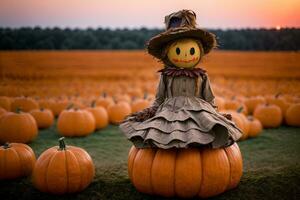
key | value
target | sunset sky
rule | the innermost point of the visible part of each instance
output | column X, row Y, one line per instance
column 148, row 13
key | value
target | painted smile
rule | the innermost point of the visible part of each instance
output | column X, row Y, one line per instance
column 185, row 61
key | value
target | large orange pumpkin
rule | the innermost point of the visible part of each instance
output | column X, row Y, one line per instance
column 43, row 117
column 292, row 115
column 17, row 127
column 76, row 122
column 17, row 160
column 269, row 115
column 185, row 172
column 118, row 112
column 25, row 104
column 100, row 115
column 63, row 169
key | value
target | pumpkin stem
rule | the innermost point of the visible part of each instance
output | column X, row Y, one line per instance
column 145, row 95
column 277, row 95
column 133, row 98
column 42, row 108
column 104, row 94
column 62, row 144
column 18, row 110
column 70, row 106
column 240, row 109
column 6, row 145
column 93, row 104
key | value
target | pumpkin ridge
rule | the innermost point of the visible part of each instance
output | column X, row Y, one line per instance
column 20, row 161
column 46, row 171
column 67, row 172
column 202, row 169
column 151, row 185
column 81, row 178
column 174, row 173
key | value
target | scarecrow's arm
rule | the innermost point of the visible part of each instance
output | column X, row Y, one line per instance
column 207, row 92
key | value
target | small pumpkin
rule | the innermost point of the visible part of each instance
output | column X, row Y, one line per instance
column 140, row 104
column 57, row 106
column 17, row 160
column 2, row 111
column 75, row 122
column 220, row 102
column 269, row 115
column 24, row 104
column 185, row 172
column 279, row 101
column 5, row 102
column 240, row 120
column 255, row 127
column 118, row 112
column 292, row 115
column 104, row 101
column 17, row 127
column 100, row 115
column 43, row 117
column 63, row 169
column 234, row 104
column 252, row 102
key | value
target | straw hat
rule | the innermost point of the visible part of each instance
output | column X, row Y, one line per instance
column 181, row 24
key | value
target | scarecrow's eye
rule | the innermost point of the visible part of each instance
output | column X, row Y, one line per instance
column 192, row 51
column 177, row 51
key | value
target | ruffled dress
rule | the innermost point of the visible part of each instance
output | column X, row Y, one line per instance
column 184, row 115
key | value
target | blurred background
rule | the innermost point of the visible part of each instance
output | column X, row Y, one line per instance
column 66, row 55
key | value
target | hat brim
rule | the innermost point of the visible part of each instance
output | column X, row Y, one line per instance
column 156, row 44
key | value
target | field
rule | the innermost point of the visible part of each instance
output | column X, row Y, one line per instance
column 53, row 79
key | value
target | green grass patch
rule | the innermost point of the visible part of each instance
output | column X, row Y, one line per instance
column 271, row 167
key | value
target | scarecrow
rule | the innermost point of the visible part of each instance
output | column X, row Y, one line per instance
column 182, row 120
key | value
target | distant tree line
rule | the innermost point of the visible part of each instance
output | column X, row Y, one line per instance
column 57, row 38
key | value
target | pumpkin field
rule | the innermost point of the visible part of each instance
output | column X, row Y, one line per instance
column 83, row 96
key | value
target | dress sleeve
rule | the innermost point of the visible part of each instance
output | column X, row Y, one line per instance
column 207, row 92
column 160, row 92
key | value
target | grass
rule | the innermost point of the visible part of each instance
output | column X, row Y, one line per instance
column 271, row 167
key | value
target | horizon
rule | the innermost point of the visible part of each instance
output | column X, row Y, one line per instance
column 134, row 14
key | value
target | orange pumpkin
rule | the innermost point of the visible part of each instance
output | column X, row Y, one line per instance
column 2, row 111
column 17, row 160
column 234, row 104
column 63, row 169
column 140, row 104
column 279, row 101
column 100, row 115
column 240, row 120
column 25, row 104
column 17, row 127
column 220, row 102
column 57, row 106
column 255, row 127
column 269, row 115
column 253, row 101
column 118, row 112
column 104, row 101
column 76, row 122
column 185, row 172
column 43, row 117
column 292, row 115
column 5, row 102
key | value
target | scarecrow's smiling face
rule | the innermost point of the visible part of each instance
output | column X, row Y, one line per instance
column 184, row 53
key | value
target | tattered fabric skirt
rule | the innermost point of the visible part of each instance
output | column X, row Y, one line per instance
column 182, row 122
